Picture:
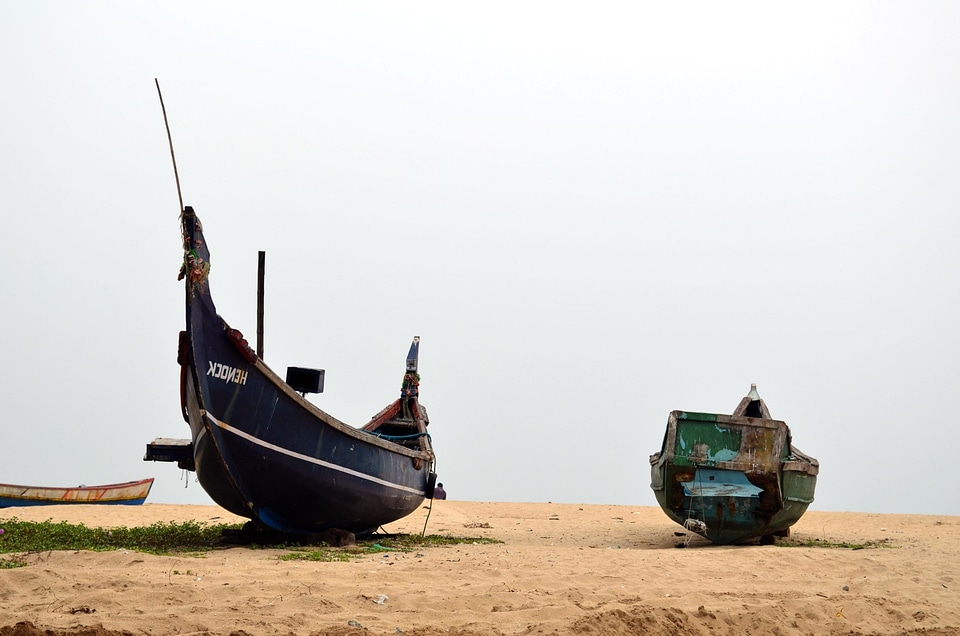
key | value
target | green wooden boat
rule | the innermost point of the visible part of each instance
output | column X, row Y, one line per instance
column 733, row 478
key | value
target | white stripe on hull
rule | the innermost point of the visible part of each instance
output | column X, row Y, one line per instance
column 312, row 460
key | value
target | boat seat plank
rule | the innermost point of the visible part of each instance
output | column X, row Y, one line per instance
column 165, row 449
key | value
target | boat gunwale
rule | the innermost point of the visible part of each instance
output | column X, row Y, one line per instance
column 117, row 486
column 668, row 452
column 353, row 431
column 324, row 417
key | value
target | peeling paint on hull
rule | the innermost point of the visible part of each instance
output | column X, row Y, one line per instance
column 739, row 476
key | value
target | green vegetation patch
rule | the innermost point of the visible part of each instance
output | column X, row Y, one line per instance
column 408, row 542
column 160, row 538
column 8, row 563
column 19, row 538
column 382, row 543
column 829, row 543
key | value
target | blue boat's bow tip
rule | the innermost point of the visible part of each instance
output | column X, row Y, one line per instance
column 414, row 354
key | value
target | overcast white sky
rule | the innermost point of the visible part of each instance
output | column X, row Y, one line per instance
column 592, row 214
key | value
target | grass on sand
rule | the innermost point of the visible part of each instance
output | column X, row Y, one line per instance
column 20, row 538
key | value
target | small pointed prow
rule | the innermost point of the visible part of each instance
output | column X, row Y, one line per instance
column 413, row 355
column 410, row 388
column 753, row 405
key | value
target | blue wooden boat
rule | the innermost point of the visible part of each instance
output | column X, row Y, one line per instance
column 733, row 478
column 261, row 450
column 130, row 493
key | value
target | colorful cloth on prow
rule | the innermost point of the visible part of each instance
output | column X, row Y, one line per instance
column 411, row 385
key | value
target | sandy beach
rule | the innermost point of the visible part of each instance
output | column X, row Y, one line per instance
column 560, row 569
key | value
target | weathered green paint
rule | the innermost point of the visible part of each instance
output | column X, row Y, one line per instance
column 738, row 474
column 799, row 486
column 693, row 416
column 704, row 443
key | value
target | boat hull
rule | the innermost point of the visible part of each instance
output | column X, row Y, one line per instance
column 131, row 493
column 731, row 478
column 262, row 451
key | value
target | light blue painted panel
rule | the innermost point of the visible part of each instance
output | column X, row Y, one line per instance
column 710, row 482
